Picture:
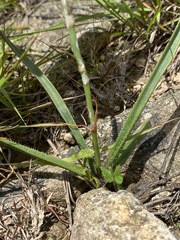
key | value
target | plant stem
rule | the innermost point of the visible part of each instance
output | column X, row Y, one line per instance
column 85, row 79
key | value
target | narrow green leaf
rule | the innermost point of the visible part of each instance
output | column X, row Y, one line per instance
column 10, row 103
column 154, row 18
column 44, row 157
column 10, row 71
column 132, row 143
column 167, row 56
column 52, row 92
column 59, row 26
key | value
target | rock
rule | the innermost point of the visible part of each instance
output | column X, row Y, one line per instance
column 158, row 156
column 53, row 179
column 101, row 214
column 152, row 173
column 140, row 173
column 159, row 112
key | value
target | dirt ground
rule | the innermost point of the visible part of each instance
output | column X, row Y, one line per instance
column 118, row 68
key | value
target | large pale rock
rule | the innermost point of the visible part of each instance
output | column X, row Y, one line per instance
column 105, row 215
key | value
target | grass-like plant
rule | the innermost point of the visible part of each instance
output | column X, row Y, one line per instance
column 87, row 163
column 146, row 19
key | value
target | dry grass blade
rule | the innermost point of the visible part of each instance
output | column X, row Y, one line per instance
column 22, row 214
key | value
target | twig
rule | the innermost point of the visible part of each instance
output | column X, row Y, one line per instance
column 162, row 170
column 68, row 196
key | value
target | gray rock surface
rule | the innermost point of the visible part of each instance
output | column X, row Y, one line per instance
column 103, row 215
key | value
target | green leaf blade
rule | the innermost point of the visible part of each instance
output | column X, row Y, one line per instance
column 118, row 178
column 167, row 56
column 44, row 157
column 52, row 92
column 108, row 177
